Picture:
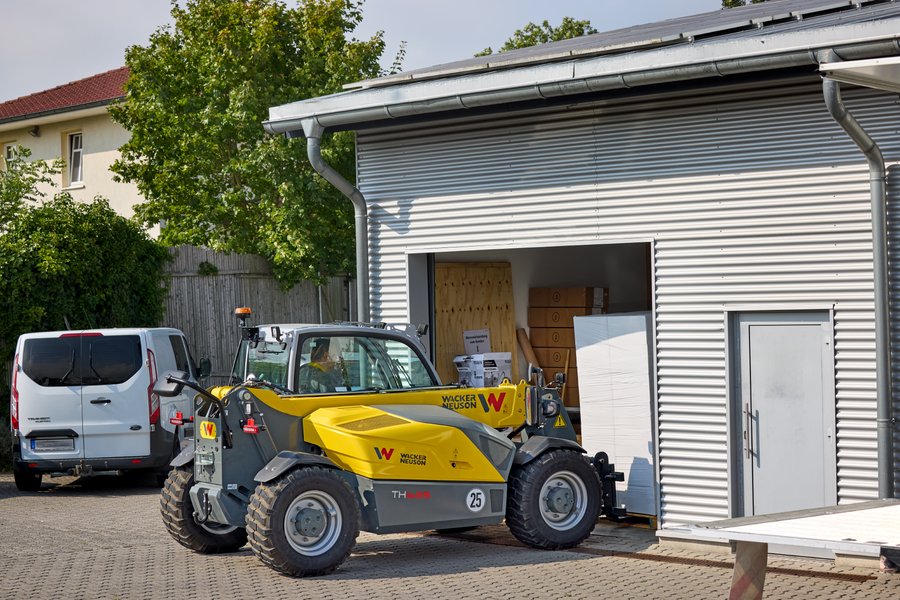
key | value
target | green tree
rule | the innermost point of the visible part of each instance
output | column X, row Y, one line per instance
column 532, row 35
column 19, row 183
column 736, row 3
column 62, row 258
column 195, row 102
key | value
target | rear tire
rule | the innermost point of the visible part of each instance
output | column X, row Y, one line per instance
column 305, row 523
column 554, row 501
column 178, row 516
column 26, row 482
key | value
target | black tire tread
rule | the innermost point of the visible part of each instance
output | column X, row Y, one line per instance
column 177, row 514
column 261, row 528
column 523, row 516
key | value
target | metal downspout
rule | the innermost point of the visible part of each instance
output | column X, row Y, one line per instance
column 832, row 92
column 313, row 132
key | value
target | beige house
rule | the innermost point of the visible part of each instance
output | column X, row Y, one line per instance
column 71, row 121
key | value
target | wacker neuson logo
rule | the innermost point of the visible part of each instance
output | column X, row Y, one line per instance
column 463, row 401
column 412, row 459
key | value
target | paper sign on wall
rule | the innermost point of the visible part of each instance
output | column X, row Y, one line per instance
column 477, row 341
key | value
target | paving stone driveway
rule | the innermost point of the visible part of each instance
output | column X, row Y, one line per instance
column 103, row 538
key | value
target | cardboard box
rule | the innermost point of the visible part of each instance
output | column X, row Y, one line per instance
column 471, row 369
column 484, row 370
column 554, row 358
column 616, row 401
column 559, row 317
column 552, row 337
column 497, row 367
column 583, row 297
column 571, row 400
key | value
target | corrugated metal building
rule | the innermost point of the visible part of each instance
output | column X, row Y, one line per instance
column 693, row 168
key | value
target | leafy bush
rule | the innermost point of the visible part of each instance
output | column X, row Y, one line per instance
column 64, row 259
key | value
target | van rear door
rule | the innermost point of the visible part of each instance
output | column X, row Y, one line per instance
column 48, row 380
column 115, row 395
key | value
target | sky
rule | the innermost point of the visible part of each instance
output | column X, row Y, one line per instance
column 58, row 41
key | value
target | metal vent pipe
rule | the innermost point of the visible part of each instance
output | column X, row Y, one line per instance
column 832, row 92
column 313, row 132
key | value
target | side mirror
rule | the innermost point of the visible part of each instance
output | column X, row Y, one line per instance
column 168, row 389
column 560, row 379
column 205, row 368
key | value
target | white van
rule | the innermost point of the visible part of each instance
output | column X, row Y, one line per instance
column 83, row 403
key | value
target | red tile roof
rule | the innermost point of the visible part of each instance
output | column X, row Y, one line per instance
column 104, row 86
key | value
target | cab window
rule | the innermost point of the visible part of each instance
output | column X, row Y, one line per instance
column 333, row 364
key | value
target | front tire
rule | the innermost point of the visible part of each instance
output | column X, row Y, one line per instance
column 554, row 501
column 305, row 523
column 178, row 516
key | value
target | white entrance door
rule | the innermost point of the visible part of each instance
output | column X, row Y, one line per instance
column 787, row 412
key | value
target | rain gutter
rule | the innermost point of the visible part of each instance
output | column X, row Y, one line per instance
column 877, row 174
column 346, row 118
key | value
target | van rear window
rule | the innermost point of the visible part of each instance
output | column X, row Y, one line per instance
column 52, row 362
column 76, row 360
column 111, row 359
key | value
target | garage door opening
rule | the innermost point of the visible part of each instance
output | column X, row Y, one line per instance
column 622, row 268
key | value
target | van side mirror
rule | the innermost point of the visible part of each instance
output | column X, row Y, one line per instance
column 205, row 368
column 166, row 388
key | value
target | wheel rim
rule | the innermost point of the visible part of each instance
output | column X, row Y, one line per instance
column 562, row 500
column 312, row 523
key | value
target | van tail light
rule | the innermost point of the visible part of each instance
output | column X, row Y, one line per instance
column 14, row 400
column 152, row 398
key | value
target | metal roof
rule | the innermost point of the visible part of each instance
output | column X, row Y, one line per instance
column 639, row 37
column 859, row 30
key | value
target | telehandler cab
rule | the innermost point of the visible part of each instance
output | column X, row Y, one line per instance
column 338, row 428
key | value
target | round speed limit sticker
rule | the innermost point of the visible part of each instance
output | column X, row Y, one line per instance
column 475, row 500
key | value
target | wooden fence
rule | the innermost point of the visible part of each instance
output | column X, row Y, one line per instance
column 202, row 306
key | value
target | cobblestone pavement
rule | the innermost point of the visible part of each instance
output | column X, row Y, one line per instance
column 103, row 538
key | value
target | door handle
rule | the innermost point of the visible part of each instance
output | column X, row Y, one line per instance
column 747, row 437
column 101, row 401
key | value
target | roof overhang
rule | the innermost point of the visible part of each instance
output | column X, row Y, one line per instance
column 879, row 73
column 55, row 116
column 709, row 58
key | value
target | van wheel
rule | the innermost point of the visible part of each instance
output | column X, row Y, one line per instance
column 305, row 523
column 26, row 482
column 178, row 517
column 553, row 501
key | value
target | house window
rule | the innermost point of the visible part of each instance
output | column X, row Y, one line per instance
column 9, row 152
column 75, row 166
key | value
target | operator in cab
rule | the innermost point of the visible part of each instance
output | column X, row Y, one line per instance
column 320, row 374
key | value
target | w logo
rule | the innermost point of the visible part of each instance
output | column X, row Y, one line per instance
column 491, row 401
column 384, row 453
column 208, row 430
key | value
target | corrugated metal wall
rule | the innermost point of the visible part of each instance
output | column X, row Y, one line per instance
column 754, row 197
column 203, row 306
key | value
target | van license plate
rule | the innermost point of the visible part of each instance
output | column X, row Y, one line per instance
column 53, row 445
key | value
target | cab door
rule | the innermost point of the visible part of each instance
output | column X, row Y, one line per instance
column 116, row 395
column 47, row 378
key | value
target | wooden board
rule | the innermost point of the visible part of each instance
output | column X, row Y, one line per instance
column 472, row 296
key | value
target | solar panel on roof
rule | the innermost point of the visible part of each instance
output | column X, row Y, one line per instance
column 638, row 37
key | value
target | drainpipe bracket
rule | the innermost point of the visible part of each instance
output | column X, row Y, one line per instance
column 312, row 128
